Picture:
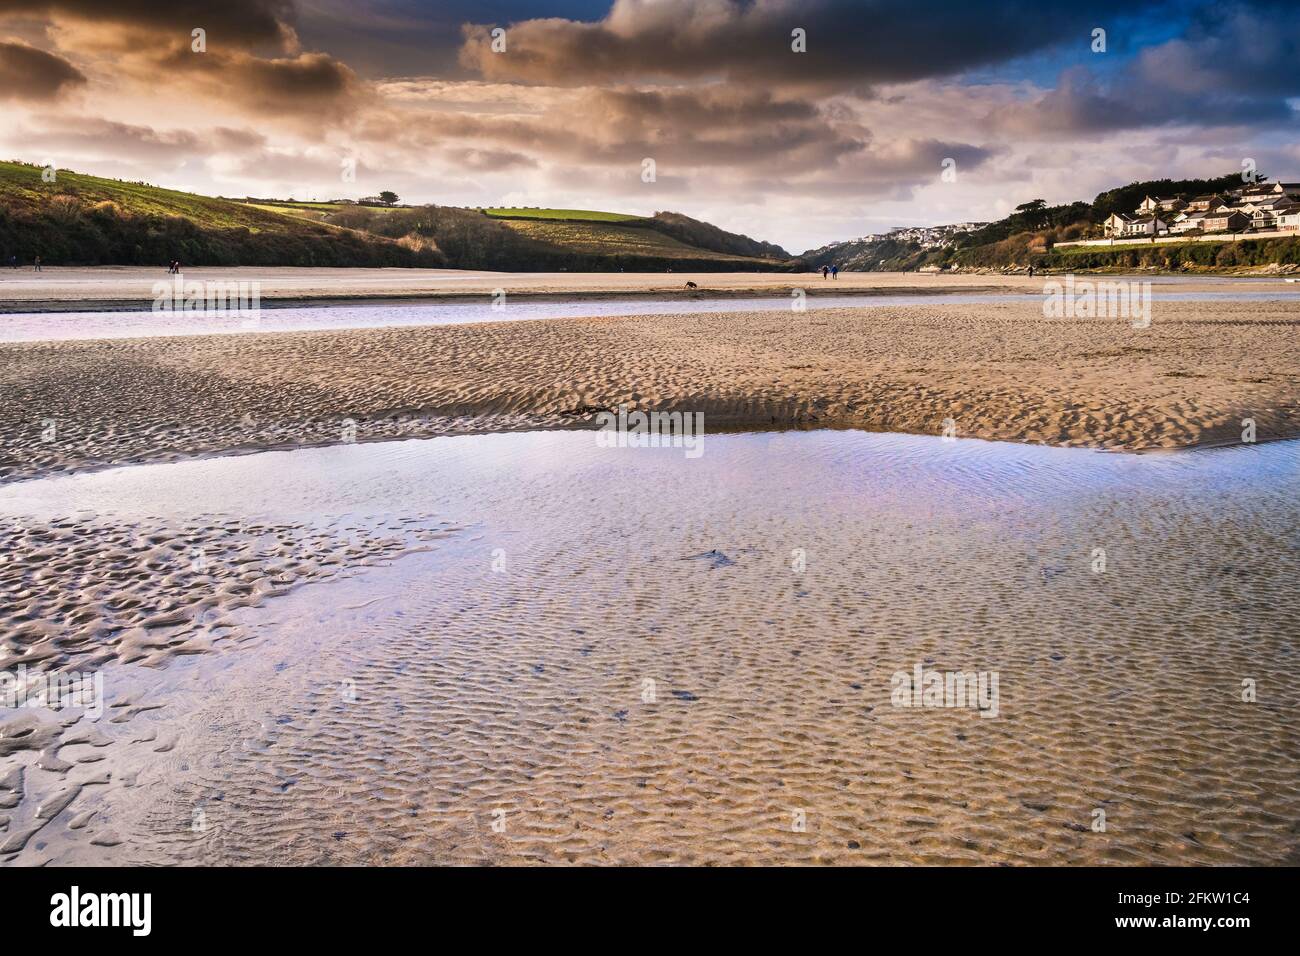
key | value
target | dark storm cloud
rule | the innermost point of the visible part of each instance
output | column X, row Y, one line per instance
column 250, row 58
column 27, row 73
column 280, row 86
column 1081, row 104
column 848, row 41
column 240, row 22
column 1235, row 66
column 1250, row 48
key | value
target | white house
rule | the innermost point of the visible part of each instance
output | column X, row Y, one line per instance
column 1145, row 226
column 1150, row 204
column 1288, row 217
column 1116, row 224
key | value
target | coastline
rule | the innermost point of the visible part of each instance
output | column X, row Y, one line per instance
column 129, row 288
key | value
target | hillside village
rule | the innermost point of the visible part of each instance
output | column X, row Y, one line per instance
column 927, row 237
column 1256, row 207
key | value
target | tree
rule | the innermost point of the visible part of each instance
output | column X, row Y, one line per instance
column 1033, row 211
column 388, row 197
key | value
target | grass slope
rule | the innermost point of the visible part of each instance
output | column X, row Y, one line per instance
column 87, row 220
column 581, row 215
column 470, row 239
column 314, row 211
column 607, row 239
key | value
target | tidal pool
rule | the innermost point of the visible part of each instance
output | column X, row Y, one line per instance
column 70, row 326
column 605, row 655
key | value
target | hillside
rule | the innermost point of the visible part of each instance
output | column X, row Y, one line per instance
column 687, row 231
column 708, row 236
column 613, row 239
column 579, row 240
column 1027, row 237
column 87, row 220
column 582, row 215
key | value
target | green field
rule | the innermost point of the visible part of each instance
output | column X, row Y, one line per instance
column 608, row 239
column 578, row 215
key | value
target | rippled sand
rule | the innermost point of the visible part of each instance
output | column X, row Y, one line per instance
column 611, row 656
column 998, row 371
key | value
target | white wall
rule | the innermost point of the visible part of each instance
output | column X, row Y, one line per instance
column 1184, row 237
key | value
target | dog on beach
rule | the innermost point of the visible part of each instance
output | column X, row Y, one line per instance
column 691, row 285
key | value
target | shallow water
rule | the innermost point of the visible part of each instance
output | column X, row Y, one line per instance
column 627, row 655
column 67, row 326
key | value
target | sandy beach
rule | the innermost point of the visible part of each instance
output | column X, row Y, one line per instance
column 492, row 604
column 998, row 371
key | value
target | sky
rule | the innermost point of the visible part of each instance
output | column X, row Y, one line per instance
column 799, row 122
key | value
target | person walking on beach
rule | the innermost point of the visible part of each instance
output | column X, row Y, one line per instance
column 37, row 267
column 13, row 262
column 835, row 271
column 1031, row 272
column 825, row 270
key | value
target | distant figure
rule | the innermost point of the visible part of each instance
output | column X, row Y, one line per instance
column 37, row 267
column 13, row 262
column 171, row 267
column 835, row 272
column 691, row 285
column 825, row 271
column 1031, row 272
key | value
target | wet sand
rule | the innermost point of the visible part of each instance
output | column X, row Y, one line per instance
column 997, row 371
column 616, row 656
column 66, row 288
column 376, row 653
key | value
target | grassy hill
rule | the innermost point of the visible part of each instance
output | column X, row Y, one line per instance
column 611, row 239
column 88, row 220
column 562, row 239
column 602, row 233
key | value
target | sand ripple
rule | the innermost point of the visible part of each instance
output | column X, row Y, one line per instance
column 504, row 716
column 997, row 371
